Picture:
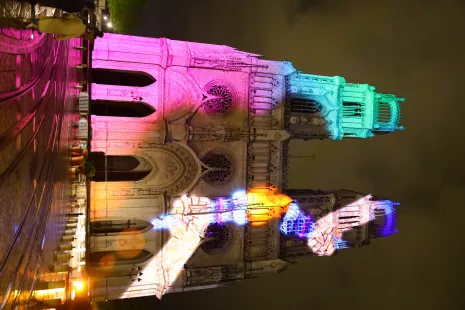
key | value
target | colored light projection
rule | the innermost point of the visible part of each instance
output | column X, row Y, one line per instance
column 295, row 222
column 327, row 233
column 187, row 221
column 189, row 217
column 345, row 110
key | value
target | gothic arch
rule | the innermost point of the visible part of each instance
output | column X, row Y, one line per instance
column 179, row 168
column 118, row 168
column 184, row 95
column 303, row 105
column 121, row 108
column 119, row 226
column 174, row 167
column 121, row 77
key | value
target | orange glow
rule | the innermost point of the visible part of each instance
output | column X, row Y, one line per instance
column 78, row 285
column 137, row 241
column 268, row 199
column 56, row 293
column 107, row 261
column 265, row 205
column 128, row 254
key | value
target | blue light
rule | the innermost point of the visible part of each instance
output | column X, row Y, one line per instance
column 340, row 243
column 385, row 218
column 295, row 222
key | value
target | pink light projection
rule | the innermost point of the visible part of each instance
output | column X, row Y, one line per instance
column 327, row 234
column 178, row 90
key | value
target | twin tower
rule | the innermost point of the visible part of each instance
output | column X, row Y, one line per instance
column 179, row 128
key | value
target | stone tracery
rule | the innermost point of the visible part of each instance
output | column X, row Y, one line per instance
column 222, row 98
column 222, row 165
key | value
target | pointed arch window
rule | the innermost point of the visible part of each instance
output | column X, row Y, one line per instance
column 119, row 226
column 122, row 77
column 304, row 105
column 124, row 257
column 352, row 109
column 119, row 168
column 121, row 108
column 384, row 112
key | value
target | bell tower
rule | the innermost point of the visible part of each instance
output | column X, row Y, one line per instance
column 323, row 222
column 320, row 107
column 191, row 144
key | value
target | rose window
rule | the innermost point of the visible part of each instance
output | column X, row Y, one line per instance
column 221, row 101
column 218, row 237
column 222, row 168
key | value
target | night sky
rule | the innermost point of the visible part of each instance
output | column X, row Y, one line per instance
column 412, row 48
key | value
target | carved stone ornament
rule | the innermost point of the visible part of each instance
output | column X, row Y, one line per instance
column 222, row 98
column 179, row 158
column 223, row 166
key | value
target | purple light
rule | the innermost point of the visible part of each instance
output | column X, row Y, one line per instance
column 385, row 218
column 296, row 223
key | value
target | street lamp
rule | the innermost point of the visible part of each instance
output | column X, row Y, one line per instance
column 110, row 24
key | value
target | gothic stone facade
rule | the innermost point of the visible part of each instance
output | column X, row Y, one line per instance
column 176, row 118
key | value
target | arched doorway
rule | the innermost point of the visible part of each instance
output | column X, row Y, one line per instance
column 120, row 168
column 122, row 77
column 121, row 108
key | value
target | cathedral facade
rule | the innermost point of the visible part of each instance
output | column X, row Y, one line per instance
column 180, row 127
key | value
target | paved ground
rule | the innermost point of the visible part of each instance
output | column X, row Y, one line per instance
column 37, row 99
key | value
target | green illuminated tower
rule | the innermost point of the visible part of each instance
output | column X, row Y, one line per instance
column 319, row 107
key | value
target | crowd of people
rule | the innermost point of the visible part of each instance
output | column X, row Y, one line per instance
column 71, row 24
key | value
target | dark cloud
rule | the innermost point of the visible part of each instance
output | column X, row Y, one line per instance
column 411, row 48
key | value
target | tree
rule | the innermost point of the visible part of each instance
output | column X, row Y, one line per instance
column 124, row 14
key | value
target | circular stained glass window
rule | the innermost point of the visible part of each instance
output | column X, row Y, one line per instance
column 218, row 236
column 222, row 98
column 222, row 166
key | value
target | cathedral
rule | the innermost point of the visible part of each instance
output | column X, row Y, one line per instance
column 190, row 143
